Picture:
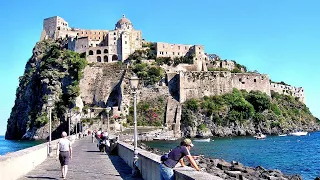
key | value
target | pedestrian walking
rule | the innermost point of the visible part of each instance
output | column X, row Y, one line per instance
column 64, row 153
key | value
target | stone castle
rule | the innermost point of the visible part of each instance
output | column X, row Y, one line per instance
column 182, row 82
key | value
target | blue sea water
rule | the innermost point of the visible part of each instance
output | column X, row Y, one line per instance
column 11, row 146
column 290, row 154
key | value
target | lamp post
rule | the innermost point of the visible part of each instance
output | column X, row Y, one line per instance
column 108, row 109
column 69, row 121
column 50, row 105
column 134, row 81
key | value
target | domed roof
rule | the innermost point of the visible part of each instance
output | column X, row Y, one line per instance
column 124, row 20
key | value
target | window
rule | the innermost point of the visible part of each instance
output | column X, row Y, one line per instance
column 240, row 79
column 172, row 53
column 178, row 54
column 90, row 52
column 105, row 51
column 254, row 80
column 125, row 42
column 179, row 47
column 98, row 51
column 114, row 38
column 105, row 58
column 114, row 58
column 98, row 59
column 185, row 47
column 95, row 32
column 114, row 33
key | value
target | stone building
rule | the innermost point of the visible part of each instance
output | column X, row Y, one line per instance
column 99, row 45
column 297, row 92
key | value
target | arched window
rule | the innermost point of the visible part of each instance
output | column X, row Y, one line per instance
column 105, row 58
column 98, row 51
column 98, row 59
column 114, row 58
column 114, row 38
column 90, row 52
column 105, row 51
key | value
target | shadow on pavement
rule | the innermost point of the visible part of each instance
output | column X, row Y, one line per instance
column 39, row 177
column 121, row 166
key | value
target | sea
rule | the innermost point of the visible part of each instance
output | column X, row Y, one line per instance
column 7, row 146
column 290, row 154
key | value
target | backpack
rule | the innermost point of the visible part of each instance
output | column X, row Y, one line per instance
column 164, row 157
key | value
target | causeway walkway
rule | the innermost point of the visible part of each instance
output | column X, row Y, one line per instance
column 86, row 163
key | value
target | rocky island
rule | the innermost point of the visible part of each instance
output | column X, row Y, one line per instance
column 183, row 88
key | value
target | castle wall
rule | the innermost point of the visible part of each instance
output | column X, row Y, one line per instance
column 223, row 64
column 288, row 90
column 200, row 84
column 94, row 35
column 251, row 82
column 78, row 45
column 171, row 50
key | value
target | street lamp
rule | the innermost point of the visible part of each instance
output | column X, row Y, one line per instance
column 50, row 105
column 134, row 81
column 108, row 109
column 69, row 121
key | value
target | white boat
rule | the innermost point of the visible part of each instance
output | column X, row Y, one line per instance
column 202, row 140
column 282, row 135
column 260, row 136
column 299, row 133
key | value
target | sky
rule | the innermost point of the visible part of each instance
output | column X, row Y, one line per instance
column 278, row 38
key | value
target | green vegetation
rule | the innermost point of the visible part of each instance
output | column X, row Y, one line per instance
column 148, row 73
column 53, row 70
column 149, row 113
column 242, row 107
column 218, row 69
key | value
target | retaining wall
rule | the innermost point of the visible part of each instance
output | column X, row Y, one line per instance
column 148, row 164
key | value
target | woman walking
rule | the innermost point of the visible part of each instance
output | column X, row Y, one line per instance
column 64, row 152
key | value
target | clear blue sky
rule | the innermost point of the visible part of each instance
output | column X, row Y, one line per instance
column 277, row 37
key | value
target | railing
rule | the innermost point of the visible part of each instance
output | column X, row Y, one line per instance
column 148, row 164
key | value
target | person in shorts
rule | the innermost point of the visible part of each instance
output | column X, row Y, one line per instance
column 176, row 155
column 64, row 152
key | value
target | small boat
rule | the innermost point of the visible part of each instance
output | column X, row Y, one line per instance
column 202, row 140
column 299, row 133
column 282, row 135
column 260, row 136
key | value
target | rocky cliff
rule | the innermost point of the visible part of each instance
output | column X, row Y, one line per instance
column 241, row 113
column 51, row 70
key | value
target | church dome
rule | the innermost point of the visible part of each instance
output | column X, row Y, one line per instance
column 124, row 20
column 124, row 24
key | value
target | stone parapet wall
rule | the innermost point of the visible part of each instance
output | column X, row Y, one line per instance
column 16, row 164
column 148, row 164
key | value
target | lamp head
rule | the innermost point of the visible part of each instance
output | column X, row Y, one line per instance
column 50, row 100
column 134, row 82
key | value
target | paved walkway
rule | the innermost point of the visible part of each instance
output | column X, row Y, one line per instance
column 87, row 163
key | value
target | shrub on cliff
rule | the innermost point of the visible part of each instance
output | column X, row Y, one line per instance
column 147, row 73
column 149, row 112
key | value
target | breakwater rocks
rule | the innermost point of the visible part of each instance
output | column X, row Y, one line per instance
column 232, row 170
